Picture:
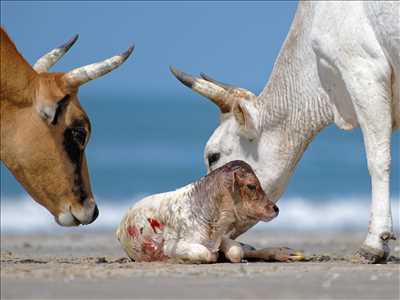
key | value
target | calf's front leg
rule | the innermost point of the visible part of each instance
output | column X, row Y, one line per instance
column 189, row 252
column 232, row 250
column 235, row 252
column 281, row 254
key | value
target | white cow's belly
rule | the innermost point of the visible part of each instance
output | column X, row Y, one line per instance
column 369, row 49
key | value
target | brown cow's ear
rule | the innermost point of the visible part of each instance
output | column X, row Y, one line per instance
column 246, row 115
column 49, row 111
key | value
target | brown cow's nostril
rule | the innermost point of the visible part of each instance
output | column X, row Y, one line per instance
column 95, row 214
column 276, row 209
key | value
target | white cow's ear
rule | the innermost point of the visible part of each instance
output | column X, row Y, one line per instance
column 246, row 115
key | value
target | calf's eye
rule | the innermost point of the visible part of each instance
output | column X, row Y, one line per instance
column 251, row 187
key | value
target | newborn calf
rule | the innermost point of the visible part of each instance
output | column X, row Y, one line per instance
column 194, row 222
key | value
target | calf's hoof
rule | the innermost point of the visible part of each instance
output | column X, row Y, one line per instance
column 281, row 254
column 285, row 254
column 369, row 255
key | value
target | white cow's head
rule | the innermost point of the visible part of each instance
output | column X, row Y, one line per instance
column 242, row 134
column 238, row 133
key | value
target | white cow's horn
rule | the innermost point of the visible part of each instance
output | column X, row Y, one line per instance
column 234, row 91
column 84, row 74
column 221, row 84
column 210, row 90
column 48, row 60
column 222, row 94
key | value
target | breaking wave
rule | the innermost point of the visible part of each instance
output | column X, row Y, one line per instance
column 23, row 215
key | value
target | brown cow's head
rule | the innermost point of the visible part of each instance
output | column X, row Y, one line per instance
column 44, row 136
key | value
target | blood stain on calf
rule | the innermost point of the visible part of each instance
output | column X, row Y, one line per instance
column 153, row 251
column 132, row 231
column 155, row 224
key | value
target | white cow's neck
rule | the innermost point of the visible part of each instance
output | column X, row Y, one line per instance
column 293, row 104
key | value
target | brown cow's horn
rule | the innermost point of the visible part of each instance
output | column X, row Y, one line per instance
column 48, row 60
column 84, row 74
column 208, row 89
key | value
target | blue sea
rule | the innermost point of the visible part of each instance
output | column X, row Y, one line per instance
column 144, row 144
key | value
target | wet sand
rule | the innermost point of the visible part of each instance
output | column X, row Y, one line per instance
column 93, row 266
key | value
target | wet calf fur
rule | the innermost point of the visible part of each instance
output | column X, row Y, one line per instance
column 196, row 221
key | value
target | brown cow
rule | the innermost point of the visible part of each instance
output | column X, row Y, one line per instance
column 44, row 130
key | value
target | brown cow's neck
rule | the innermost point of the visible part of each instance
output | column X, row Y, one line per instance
column 17, row 89
column 18, row 79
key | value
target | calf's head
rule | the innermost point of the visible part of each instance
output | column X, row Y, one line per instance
column 249, row 199
column 46, row 135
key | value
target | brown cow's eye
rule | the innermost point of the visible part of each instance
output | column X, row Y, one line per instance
column 79, row 135
column 251, row 187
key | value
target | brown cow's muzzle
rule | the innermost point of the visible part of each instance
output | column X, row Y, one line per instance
column 75, row 216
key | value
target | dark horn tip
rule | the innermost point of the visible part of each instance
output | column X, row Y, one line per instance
column 128, row 52
column 204, row 76
column 70, row 43
column 75, row 38
column 221, row 84
column 182, row 77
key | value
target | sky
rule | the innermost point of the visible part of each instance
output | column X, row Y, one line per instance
column 235, row 42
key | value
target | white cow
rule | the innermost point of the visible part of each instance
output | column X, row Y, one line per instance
column 340, row 63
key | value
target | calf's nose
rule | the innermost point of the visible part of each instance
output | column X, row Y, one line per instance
column 276, row 209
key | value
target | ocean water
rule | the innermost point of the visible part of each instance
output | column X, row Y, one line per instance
column 144, row 144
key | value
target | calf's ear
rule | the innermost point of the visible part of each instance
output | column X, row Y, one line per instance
column 236, row 182
column 246, row 115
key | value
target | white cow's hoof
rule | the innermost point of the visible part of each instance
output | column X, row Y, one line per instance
column 369, row 255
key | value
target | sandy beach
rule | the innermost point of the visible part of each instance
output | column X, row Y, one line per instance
column 92, row 266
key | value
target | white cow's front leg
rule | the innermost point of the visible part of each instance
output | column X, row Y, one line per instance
column 189, row 252
column 370, row 90
column 358, row 75
column 380, row 231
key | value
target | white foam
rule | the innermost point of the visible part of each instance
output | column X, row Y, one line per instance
column 23, row 215
column 333, row 213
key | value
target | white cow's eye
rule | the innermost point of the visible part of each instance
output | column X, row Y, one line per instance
column 213, row 158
